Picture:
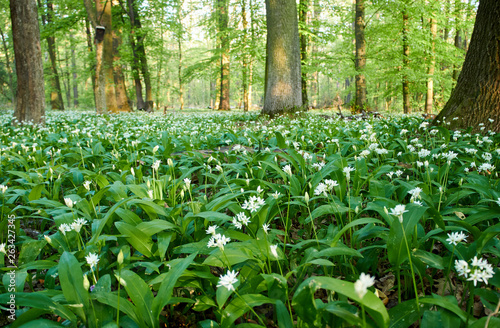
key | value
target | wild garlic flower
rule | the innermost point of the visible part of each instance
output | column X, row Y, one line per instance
column 274, row 250
column 69, row 202
column 218, row 240
column 398, row 211
column 228, row 280
column 3, row 188
column 265, row 227
column 415, row 194
column 363, row 283
column 253, row 204
column 156, row 165
column 456, row 237
column 187, row 181
column 287, row 169
column 78, row 224
column 211, row 230
column 86, row 185
column 347, row 171
column 92, row 260
column 2, row 248
column 276, row 195
column 64, row 228
column 479, row 270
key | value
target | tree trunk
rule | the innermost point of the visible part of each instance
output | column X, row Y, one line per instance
column 304, row 40
column 476, row 97
column 429, row 97
column 66, row 76
column 245, row 59
column 73, row 71
column 283, row 69
column 9, row 69
column 223, row 8
column 181, row 83
column 56, row 100
column 91, row 50
column 30, row 99
column 360, row 104
column 122, row 100
column 406, row 64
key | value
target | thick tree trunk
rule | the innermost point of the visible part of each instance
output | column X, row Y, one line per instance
column 304, row 40
column 283, row 69
column 429, row 96
column 406, row 64
column 181, row 82
column 30, row 99
column 122, row 100
column 223, row 10
column 476, row 97
column 360, row 62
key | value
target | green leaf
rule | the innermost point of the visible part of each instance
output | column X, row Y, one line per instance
column 404, row 314
column 431, row 259
column 41, row 323
column 141, row 295
column 448, row 305
column 241, row 305
column 36, row 192
column 353, row 224
column 233, row 255
column 40, row 301
column 284, row 320
column 111, row 299
column 167, row 286
column 370, row 301
column 71, row 278
column 138, row 239
column 30, row 250
column 149, row 228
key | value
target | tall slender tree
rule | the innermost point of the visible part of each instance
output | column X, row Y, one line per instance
column 429, row 97
column 30, row 98
column 360, row 103
column 406, row 59
column 304, row 42
column 223, row 21
column 283, row 70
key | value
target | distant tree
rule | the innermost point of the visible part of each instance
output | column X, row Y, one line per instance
column 304, row 42
column 30, row 97
column 476, row 97
column 223, row 16
column 360, row 60
column 406, row 58
column 283, row 88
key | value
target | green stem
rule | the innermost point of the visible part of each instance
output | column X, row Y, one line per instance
column 411, row 268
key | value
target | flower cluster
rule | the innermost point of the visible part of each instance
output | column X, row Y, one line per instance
column 398, row 211
column 363, row 283
column 479, row 270
column 218, row 240
column 228, row 280
column 253, row 204
column 323, row 188
column 456, row 237
column 241, row 220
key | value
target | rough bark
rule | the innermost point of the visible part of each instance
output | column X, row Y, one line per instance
column 73, row 72
column 429, row 96
column 30, row 98
column 91, row 51
column 122, row 101
column 304, row 40
column 106, row 21
column 283, row 69
column 476, row 97
column 223, row 11
column 406, row 63
column 360, row 103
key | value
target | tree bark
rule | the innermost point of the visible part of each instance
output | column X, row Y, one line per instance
column 476, row 97
column 429, row 96
column 406, row 63
column 245, row 58
column 56, row 100
column 73, row 71
column 30, row 99
column 223, row 10
column 9, row 69
column 360, row 62
column 122, row 100
column 304, row 40
column 91, row 51
column 283, row 69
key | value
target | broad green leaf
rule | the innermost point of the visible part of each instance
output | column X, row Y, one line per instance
column 40, row 301
column 150, row 228
column 234, row 255
column 141, row 296
column 36, row 192
column 353, row 224
column 71, row 278
column 284, row 319
column 241, row 305
column 448, row 305
column 404, row 314
column 138, row 239
column 41, row 323
column 30, row 250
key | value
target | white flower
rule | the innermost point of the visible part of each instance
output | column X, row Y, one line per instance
column 78, row 224
column 155, row 148
column 265, row 227
column 241, row 217
column 274, row 250
column 362, row 284
column 3, row 188
column 69, row 202
column 475, row 276
column 218, row 240
column 92, row 260
column 347, row 171
column 64, row 228
column 276, row 195
column 287, row 169
column 86, row 185
column 228, row 280
column 486, row 167
column 187, row 181
column 398, row 211
column 462, row 268
column 415, row 193
column 156, row 165
column 456, row 237
column 253, row 204
column 211, row 230
column 150, row 194
column 321, row 189
column 2, row 248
